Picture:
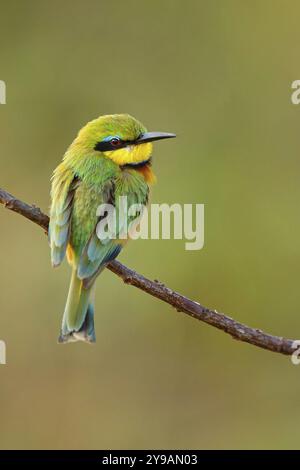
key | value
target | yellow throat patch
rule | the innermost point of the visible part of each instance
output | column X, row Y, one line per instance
column 130, row 154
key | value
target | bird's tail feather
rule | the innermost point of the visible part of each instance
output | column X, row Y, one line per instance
column 78, row 319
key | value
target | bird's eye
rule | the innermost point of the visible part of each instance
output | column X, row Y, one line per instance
column 115, row 142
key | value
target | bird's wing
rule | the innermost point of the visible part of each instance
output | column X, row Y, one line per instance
column 62, row 194
column 96, row 255
column 99, row 252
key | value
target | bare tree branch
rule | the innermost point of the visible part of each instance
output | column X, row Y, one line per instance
column 227, row 324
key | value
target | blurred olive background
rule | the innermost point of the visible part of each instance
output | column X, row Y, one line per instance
column 218, row 74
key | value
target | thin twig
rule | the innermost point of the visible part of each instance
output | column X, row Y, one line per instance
column 181, row 303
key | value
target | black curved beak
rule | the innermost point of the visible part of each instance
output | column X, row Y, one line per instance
column 151, row 136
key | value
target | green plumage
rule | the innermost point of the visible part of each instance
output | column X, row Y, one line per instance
column 85, row 179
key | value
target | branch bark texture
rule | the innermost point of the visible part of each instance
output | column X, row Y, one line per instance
column 155, row 288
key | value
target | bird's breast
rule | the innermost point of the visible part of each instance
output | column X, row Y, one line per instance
column 147, row 173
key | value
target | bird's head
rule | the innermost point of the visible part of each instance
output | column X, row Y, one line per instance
column 119, row 137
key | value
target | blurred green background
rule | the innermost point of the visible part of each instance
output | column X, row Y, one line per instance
column 218, row 74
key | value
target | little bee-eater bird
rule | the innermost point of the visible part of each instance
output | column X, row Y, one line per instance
column 110, row 158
